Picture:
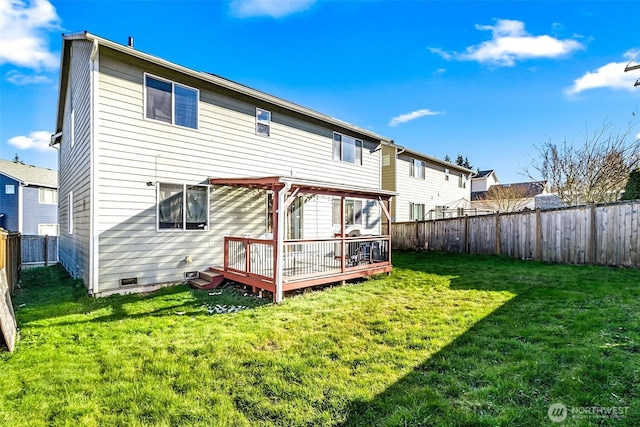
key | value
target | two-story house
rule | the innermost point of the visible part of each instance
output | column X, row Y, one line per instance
column 28, row 198
column 427, row 187
column 166, row 171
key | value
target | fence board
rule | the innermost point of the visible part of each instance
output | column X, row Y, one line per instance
column 603, row 234
column 10, row 257
column 35, row 247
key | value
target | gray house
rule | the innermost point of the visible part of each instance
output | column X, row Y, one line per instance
column 168, row 174
column 28, row 198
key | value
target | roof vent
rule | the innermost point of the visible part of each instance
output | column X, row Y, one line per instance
column 131, row 42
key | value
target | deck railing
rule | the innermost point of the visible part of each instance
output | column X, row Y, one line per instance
column 251, row 257
column 306, row 258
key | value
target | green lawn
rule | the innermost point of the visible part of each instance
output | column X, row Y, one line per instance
column 445, row 340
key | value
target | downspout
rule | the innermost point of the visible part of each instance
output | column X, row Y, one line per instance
column 94, row 255
column 280, row 240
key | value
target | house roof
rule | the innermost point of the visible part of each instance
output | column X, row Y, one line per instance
column 524, row 189
column 432, row 159
column 318, row 187
column 484, row 174
column 203, row 76
column 29, row 174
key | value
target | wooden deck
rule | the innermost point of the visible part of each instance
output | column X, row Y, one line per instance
column 305, row 262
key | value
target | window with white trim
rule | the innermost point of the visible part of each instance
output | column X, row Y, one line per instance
column 183, row 207
column 47, row 229
column 418, row 168
column 48, row 195
column 347, row 149
column 446, row 174
column 263, row 122
column 352, row 211
column 171, row 102
column 462, row 181
column 9, row 189
column 416, row 211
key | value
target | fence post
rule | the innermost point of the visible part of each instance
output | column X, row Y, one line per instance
column 538, row 236
column 466, row 234
column 497, row 233
column 46, row 250
column 592, row 235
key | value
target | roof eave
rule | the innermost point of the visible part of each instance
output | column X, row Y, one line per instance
column 437, row 160
column 210, row 78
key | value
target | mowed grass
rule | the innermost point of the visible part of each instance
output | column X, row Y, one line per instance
column 445, row 340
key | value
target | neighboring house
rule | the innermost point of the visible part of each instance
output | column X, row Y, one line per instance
column 428, row 188
column 166, row 171
column 28, row 198
column 514, row 197
column 482, row 180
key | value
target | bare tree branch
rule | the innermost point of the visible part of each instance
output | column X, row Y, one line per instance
column 595, row 172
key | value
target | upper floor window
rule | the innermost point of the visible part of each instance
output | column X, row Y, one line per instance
column 446, row 174
column 462, row 181
column 9, row 189
column 417, row 168
column 171, row 102
column 263, row 122
column 347, row 149
column 183, row 207
column 48, row 195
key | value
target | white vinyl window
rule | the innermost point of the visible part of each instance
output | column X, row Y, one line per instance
column 183, row 207
column 416, row 211
column 352, row 212
column 263, row 122
column 347, row 149
column 48, row 229
column 48, row 195
column 418, row 168
column 462, row 181
column 9, row 189
column 171, row 102
column 446, row 174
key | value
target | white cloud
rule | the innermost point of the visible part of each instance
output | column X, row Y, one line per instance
column 510, row 43
column 38, row 140
column 611, row 75
column 403, row 118
column 22, row 41
column 273, row 8
column 21, row 79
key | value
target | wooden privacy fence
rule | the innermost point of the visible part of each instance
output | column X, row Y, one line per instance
column 39, row 250
column 594, row 234
column 10, row 257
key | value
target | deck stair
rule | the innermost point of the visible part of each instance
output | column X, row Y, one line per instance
column 207, row 280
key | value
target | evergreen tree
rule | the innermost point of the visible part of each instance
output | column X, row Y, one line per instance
column 460, row 160
column 447, row 158
column 632, row 189
column 466, row 163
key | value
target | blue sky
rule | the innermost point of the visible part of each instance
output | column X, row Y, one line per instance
column 488, row 80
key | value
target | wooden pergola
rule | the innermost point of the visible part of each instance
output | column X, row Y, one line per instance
column 269, row 264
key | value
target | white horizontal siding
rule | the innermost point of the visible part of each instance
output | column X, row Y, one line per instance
column 433, row 191
column 135, row 150
column 75, row 166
